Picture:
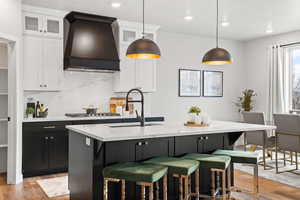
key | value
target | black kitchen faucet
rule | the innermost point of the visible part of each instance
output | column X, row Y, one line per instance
column 140, row 118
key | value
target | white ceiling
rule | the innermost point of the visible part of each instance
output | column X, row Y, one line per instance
column 248, row 18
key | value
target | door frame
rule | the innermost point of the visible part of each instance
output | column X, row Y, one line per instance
column 15, row 109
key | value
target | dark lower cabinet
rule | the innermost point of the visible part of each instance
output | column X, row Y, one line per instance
column 45, row 148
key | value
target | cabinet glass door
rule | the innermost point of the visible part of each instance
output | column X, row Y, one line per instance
column 33, row 24
column 53, row 27
column 128, row 36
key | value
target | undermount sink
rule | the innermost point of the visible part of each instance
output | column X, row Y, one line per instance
column 132, row 125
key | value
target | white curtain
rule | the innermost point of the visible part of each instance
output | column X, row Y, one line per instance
column 279, row 76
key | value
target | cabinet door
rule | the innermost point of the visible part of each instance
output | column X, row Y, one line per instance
column 53, row 27
column 52, row 63
column 125, row 79
column 32, row 24
column 213, row 142
column 163, row 147
column 146, row 75
column 35, row 153
column 120, row 151
column 187, row 144
column 33, row 61
column 58, row 150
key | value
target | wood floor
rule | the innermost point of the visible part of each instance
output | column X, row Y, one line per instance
column 30, row 190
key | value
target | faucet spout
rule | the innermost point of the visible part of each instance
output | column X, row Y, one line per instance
column 140, row 118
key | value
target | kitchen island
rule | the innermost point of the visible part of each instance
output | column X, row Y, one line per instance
column 93, row 147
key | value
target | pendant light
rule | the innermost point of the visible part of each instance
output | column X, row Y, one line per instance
column 143, row 48
column 217, row 56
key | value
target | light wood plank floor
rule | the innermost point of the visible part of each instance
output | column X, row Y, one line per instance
column 30, row 190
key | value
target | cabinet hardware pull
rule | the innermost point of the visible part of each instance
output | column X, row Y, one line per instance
column 146, row 143
column 45, row 31
column 139, row 143
column 41, row 31
column 48, row 127
column 51, row 137
column 46, row 138
column 206, row 138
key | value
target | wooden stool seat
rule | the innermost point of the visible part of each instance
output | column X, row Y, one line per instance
column 243, row 157
column 144, row 174
column 181, row 169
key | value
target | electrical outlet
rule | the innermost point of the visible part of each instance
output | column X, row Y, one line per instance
column 87, row 141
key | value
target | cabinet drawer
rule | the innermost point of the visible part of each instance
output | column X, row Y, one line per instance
column 34, row 127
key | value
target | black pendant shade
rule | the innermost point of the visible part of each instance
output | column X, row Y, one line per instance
column 217, row 56
column 143, row 49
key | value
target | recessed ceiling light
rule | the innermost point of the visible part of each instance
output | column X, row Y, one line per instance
column 116, row 4
column 188, row 18
column 225, row 23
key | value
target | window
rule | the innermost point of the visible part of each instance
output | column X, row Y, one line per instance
column 295, row 78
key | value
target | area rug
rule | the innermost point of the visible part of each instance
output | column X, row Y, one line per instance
column 289, row 178
column 244, row 196
column 54, row 187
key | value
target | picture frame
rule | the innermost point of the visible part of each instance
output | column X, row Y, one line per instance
column 213, row 83
column 189, row 84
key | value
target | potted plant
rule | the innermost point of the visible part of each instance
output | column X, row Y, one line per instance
column 245, row 102
column 30, row 112
column 194, row 113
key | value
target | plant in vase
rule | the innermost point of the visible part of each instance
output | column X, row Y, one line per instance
column 194, row 113
column 30, row 112
column 245, row 102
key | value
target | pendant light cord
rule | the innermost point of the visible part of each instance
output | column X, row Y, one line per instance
column 143, row 19
column 217, row 27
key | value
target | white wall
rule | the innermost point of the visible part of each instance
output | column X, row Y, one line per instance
column 10, row 17
column 256, row 61
column 186, row 51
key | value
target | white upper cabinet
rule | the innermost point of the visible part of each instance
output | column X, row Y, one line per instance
column 40, row 21
column 42, row 49
column 134, row 73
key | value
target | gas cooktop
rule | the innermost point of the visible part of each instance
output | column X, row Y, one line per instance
column 96, row 115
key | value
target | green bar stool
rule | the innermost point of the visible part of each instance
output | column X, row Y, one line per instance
column 217, row 165
column 145, row 175
column 182, row 169
column 243, row 157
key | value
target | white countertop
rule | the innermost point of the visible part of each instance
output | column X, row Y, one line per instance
column 104, row 132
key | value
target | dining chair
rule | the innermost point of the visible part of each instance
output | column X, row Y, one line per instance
column 259, row 138
column 287, row 136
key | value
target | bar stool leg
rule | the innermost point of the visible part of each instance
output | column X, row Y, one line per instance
column 213, row 184
column 186, row 187
column 123, row 196
column 297, row 165
column 256, row 187
column 157, row 190
column 143, row 192
column 180, row 188
column 105, row 189
column 223, row 184
column 229, row 180
column 197, row 183
column 165, row 187
column 151, row 192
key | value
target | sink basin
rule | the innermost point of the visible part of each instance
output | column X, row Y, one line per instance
column 132, row 125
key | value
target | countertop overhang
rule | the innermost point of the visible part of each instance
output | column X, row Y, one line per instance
column 105, row 132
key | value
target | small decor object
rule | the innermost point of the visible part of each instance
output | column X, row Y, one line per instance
column 189, row 83
column 212, row 83
column 245, row 102
column 194, row 115
column 30, row 112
